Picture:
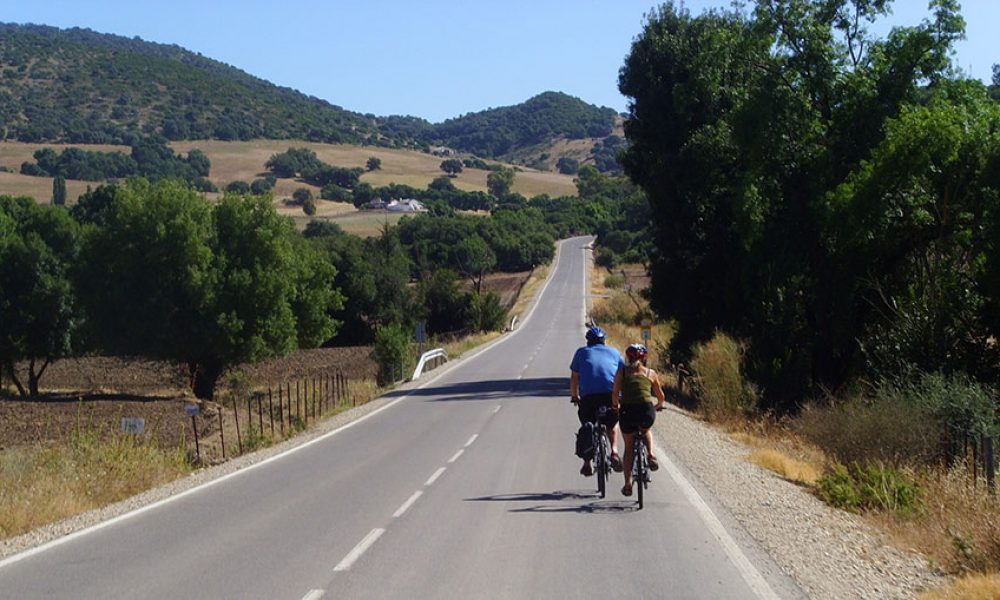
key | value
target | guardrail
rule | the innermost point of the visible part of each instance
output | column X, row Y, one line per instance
column 513, row 323
column 430, row 355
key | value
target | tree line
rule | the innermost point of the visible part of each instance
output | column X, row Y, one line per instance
column 150, row 268
column 829, row 197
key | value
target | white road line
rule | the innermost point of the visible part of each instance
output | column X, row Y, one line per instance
column 434, row 476
column 471, row 439
column 750, row 574
column 497, row 409
column 402, row 509
column 313, row 595
column 454, row 458
column 360, row 549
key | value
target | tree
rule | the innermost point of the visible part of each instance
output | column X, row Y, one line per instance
column 500, row 181
column 474, row 259
column 59, row 191
column 238, row 187
column 452, row 166
column 442, row 184
column 38, row 319
column 741, row 126
column 374, row 163
column 259, row 187
column 568, row 165
column 172, row 277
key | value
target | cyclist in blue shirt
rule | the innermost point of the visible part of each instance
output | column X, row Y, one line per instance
column 592, row 377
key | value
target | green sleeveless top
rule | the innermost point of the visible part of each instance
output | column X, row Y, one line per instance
column 636, row 388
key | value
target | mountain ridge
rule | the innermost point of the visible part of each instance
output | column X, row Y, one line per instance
column 79, row 86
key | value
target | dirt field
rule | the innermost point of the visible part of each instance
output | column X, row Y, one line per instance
column 97, row 393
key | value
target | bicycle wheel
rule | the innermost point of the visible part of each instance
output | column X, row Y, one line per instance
column 639, row 477
column 600, row 464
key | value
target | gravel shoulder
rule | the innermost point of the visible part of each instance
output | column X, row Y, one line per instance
column 829, row 553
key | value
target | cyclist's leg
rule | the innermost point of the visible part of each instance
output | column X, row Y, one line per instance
column 649, row 417
column 587, row 412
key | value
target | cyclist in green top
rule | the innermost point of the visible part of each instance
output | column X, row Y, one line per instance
column 632, row 395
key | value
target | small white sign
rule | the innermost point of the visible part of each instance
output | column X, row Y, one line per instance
column 192, row 410
column 133, row 425
column 645, row 334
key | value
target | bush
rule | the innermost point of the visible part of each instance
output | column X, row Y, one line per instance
column 614, row 282
column 393, row 353
column 871, row 486
column 718, row 371
column 887, row 428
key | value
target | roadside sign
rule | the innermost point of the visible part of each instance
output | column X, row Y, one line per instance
column 192, row 410
column 421, row 333
column 133, row 425
column 645, row 334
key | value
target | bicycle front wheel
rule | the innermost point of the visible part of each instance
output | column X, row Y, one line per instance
column 641, row 474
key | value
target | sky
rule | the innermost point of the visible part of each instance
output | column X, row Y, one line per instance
column 434, row 59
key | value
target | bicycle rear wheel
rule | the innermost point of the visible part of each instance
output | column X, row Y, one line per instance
column 640, row 476
column 601, row 464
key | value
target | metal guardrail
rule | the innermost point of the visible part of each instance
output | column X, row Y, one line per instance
column 513, row 323
column 427, row 357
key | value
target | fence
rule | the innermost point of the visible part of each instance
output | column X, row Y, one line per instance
column 980, row 453
column 267, row 415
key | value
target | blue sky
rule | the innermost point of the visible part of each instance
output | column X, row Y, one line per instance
column 434, row 59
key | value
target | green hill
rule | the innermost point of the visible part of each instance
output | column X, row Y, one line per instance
column 78, row 86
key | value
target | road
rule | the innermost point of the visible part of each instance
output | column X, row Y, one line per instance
column 464, row 485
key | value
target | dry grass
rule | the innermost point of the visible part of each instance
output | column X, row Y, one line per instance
column 244, row 161
column 958, row 527
column 793, row 470
column 40, row 485
column 723, row 391
column 529, row 290
column 968, row 587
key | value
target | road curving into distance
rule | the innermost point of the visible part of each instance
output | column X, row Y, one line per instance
column 464, row 484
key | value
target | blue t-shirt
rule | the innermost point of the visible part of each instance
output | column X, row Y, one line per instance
column 596, row 366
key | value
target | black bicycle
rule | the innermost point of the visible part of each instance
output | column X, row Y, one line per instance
column 602, row 455
column 640, row 466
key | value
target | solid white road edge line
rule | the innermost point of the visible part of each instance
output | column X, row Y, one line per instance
column 313, row 595
column 434, row 477
column 471, row 439
column 406, row 505
column 360, row 549
column 750, row 574
column 454, row 458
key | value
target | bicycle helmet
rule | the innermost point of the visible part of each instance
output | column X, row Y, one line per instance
column 595, row 335
column 636, row 353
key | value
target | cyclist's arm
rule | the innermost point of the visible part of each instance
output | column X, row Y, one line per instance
column 574, row 385
column 616, row 390
column 657, row 389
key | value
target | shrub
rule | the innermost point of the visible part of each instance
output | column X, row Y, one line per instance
column 872, row 486
column 614, row 281
column 717, row 366
column 393, row 352
column 886, row 428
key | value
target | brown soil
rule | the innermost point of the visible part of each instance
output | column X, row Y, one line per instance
column 94, row 394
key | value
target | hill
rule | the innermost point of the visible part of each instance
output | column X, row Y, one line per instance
column 78, row 86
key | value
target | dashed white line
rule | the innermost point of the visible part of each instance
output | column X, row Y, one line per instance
column 471, row 439
column 406, row 505
column 313, row 595
column 497, row 409
column 434, row 477
column 454, row 458
column 360, row 549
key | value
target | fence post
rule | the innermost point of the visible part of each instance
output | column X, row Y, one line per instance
column 270, row 410
column 297, row 412
column 236, row 417
column 989, row 463
column 288, row 392
column 260, row 414
column 222, row 428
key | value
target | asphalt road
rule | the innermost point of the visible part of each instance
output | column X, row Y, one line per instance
column 463, row 486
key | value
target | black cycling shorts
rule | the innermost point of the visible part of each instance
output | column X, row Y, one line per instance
column 592, row 405
column 633, row 417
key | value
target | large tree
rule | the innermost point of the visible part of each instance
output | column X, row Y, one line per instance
column 37, row 302
column 741, row 125
column 172, row 277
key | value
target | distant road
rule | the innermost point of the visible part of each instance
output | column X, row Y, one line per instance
column 464, row 487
